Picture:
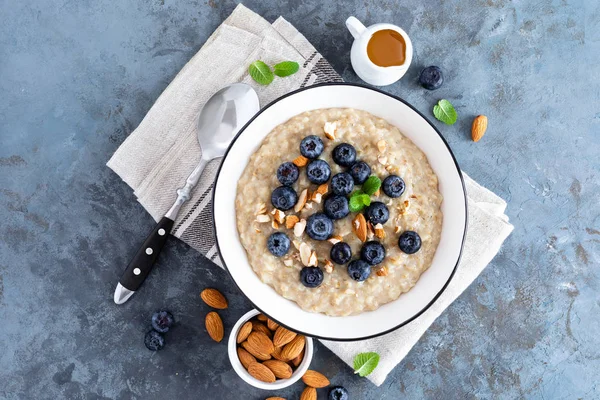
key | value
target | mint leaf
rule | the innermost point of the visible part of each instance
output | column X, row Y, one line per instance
column 371, row 185
column 445, row 112
column 286, row 68
column 260, row 72
column 356, row 202
column 365, row 199
column 365, row 363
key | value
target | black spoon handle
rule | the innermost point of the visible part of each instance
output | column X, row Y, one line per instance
column 141, row 265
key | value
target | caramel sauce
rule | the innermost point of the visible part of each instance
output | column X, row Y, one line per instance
column 387, row 48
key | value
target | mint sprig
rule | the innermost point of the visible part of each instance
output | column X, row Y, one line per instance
column 444, row 111
column 362, row 198
column 365, row 363
column 371, row 185
column 286, row 68
column 262, row 73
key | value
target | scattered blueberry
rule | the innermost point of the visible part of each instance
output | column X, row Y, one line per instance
column 344, row 154
column 162, row 321
column 287, row 173
column 360, row 172
column 278, row 244
column 409, row 242
column 393, row 186
column 372, row 252
column 311, row 277
column 338, row 393
column 154, row 340
column 319, row 226
column 431, row 78
column 341, row 253
column 311, row 146
column 342, row 184
column 359, row 270
column 318, row 171
column 377, row 213
column 336, row 206
column 284, row 198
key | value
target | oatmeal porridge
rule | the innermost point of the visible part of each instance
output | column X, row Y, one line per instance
column 338, row 211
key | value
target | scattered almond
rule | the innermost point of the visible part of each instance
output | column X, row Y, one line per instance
column 214, row 326
column 244, row 332
column 279, row 216
column 261, row 372
column 328, row 266
column 309, row 393
column 300, row 161
column 383, row 271
column 359, row 227
column 255, row 351
column 381, row 146
column 290, row 221
column 245, row 357
column 329, row 130
column 279, row 368
column 283, row 336
column 312, row 261
column 260, row 327
column 323, row 189
column 479, row 127
column 272, row 325
column 213, row 298
column 262, row 218
column 301, row 201
column 379, row 232
column 293, row 348
column 296, row 361
column 315, row 379
column 335, row 239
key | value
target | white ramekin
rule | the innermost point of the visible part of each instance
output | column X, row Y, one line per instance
column 241, row 371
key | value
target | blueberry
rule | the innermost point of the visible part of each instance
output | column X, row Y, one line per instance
column 359, row 270
column 287, row 173
column 311, row 277
column 319, row 226
column 284, row 198
column 377, row 213
column 162, row 321
column 278, row 244
column 344, row 154
column 154, row 340
column 318, row 171
column 393, row 186
column 338, row 393
column 336, row 207
column 311, row 146
column 341, row 253
column 342, row 184
column 409, row 242
column 431, row 78
column 360, row 171
column 372, row 252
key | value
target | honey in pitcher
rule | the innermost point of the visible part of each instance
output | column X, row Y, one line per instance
column 387, row 48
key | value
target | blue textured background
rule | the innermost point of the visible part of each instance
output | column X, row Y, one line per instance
column 76, row 77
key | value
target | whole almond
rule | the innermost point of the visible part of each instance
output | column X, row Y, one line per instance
column 261, row 372
column 279, row 368
column 277, row 354
column 261, row 317
column 283, row 336
column 244, row 332
column 309, row 393
column 260, row 327
column 245, row 357
column 214, row 298
column 255, row 351
column 359, row 227
column 479, row 127
column 293, row 348
column 272, row 325
column 296, row 361
column 214, row 326
column 261, row 342
column 315, row 379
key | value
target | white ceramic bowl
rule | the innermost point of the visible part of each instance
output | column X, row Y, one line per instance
column 454, row 207
column 241, row 371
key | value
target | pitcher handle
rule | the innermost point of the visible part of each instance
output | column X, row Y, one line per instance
column 355, row 27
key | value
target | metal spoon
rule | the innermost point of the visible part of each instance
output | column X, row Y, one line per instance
column 220, row 119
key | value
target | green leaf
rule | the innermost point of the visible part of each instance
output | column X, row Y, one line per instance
column 365, row 199
column 445, row 112
column 286, row 68
column 356, row 202
column 365, row 363
column 260, row 72
column 371, row 185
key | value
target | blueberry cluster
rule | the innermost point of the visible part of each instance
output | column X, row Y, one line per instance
column 162, row 321
column 319, row 226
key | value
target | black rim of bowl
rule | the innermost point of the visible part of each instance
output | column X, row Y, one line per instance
column 434, row 299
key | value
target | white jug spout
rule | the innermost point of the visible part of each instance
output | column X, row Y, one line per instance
column 355, row 27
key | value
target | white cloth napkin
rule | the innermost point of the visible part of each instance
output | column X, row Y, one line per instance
column 157, row 157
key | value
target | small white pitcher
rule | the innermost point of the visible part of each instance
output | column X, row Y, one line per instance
column 362, row 64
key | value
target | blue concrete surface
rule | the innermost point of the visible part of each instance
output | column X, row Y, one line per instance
column 76, row 77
